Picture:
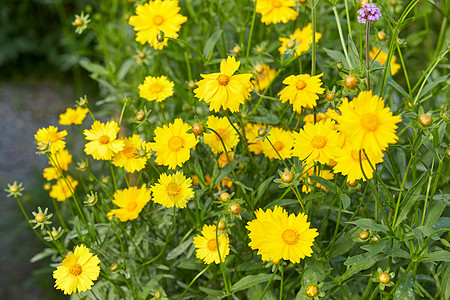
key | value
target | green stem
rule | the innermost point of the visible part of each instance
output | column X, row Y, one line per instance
column 249, row 44
column 348, row 19
column 425, row 204
column 313, row 42
column 193, row 280
column 341, row 36
column 225, row 278
column 270, row 281
column 282, row 279
column 367, row 55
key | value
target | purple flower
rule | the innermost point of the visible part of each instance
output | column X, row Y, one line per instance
column 368, row 12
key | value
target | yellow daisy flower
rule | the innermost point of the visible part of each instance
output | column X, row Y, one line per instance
column 77, row 272
column 367, row 123
column 223, row 159
column 172, row 144
column 206, row 245
column 263, row 78
column 301, row 91
column 348, row 162
column 382, row 57
column 281, row 140
column 52, row 137
column 276, row 11
column 131, row 202
column 155, row 16
column 73, row 116
column 278, row 235
column 51, row 173
column 251, row 134
column 309, row 118
column 224, row 88
column 173, row 190
column 156, row 88
column 62, row 159
column 63, row 189
column 223, row 127
column 302, row 39
column 316, row 142
column 103, row 140
column 129, row 158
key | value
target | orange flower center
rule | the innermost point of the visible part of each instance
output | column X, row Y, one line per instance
column 370, row 121
column 173, row 189
column 223, row 79
column 278, row 145
column 355, row 156
column 276, row 3
column 130, row 152
column 176, row 143
column 131, row 206
column 156, row 88
column 158, row 20
column 104, row 139
column 223, row 134
column 319, row 142
column 300, row 84
column 212, row 246
column 75, row 270
column 290, row 237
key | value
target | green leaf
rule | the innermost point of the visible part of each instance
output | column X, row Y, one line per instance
column 125, row 68
column 345, row 200
column 177, row 251
column 398, row 88
column 151, row 284
column 330, row 186
column 337, row 56
column 441, row 255
column 190, row 264
column 281, row 202
column 359, row 263
column 434, row 212
column 94, row 68
column 262, row 188
column 41, row 255
column 405, row 289
column 345, row 242
column 377, row 248
column 411, row 197
column 370, row 224
column 251, row 280
column 446, row 284
column 266, row 117
column 396, row 252
column 209, row 46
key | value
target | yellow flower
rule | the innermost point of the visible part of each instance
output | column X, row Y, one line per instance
column 302, row 39
column 52, row 137
column 156, row 88
column 281, row 140
column 62, row 159
column 301, row 91
column 131, row 202
column 276, row 11
column 63, row 188
column 278, row 235
column 51, row 173
column 367, row 123
column 77, row 271
column 129, row 158
column 309, row 170
column 316, row 142
column 309, row 118
column 223, row 127
column 251, row 134
column 155, row 16
column 173, row 190
column 73, row 116
column 224, row 88
column 206, row 245
column 172, row 144
column 348, row 162
column 104, row 143
column 264, row 78
column 381, row 58
column 223, row 159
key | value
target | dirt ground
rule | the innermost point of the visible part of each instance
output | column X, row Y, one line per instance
column 25, row 107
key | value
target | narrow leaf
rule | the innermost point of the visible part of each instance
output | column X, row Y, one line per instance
column 209, row 46
column 251, row 280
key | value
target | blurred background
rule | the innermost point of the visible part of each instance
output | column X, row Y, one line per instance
column 39, row 79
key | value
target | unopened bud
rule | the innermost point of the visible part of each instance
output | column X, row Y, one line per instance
column 363, row 2
column 350, row 82
column 157, row 295
column 381, row 35
column 259, row 68
column 113, row 267
column 47, row 186
column 329, row 96
column 139, row 115
column 310, row 182
column 78, row 22
column 393, row 2
column 425, row 120
column 39, row 218
column 286, row 177
column 364, row 234
column 290, row 44
column 262, row 131
column 43, row 147
column 197, row 129
column 224, row 197
column 311, row 291
column 235, row 208
column 236, row 50
column 352, row 183
column 160, row 36
column 141, row 55
column 384, row 278
column 221, row 225
column 191, row 84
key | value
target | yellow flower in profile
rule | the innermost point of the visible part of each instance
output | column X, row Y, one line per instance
column 206, row 245
column 223, row 127
column 52, row 137
column 77, row 272
column 301, row 91
column 367, row 123
column 73, row 116
column 302, row 39
column 173, row 190
column 154, row 17
column 316, row 142
column 62, row 159
column 264, row 78
column 129, row 158
column 382, row 57
column 279, row 235
column 251, row 134
column 173, row 144
column 63, row 188
column 281, row 140
column 224, row 88
column 309, row 170
column 223, row 159
column 348, row 162
column 131, row 202
column 309, row 118
column 51, row 173
column 156, row 88
column 103, row 143
column 276, row 11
